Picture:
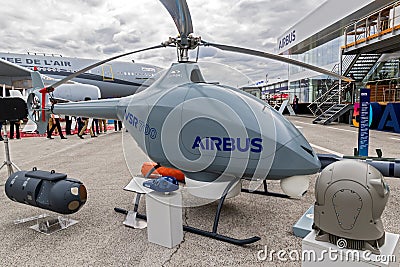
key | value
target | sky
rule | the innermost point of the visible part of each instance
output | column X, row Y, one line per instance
column 99, row 29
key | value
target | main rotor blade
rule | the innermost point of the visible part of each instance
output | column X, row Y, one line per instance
column 70, row 77
column 278, row 58
column 179, row 11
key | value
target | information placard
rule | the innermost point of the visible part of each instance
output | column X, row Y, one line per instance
column 363, row 130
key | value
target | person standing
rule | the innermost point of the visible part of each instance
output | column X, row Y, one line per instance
column 117, row 125
column 86, row 124
column 352, row 90
column 95, row 126
column 1, row 128
column 56, row 123
column 80, row 124
column 295, row 103
column 68, row 124
column 103, row 125
column 16, row 125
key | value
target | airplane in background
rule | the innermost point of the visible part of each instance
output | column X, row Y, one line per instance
column 16, row 81
column 114, row 79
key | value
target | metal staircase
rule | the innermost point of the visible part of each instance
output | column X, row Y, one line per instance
column 333, row 113
column 366, row 40
column 328, row 99
column 328, row 107
column 361, row 65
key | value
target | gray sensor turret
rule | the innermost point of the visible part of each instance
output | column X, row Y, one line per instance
column 350, row 199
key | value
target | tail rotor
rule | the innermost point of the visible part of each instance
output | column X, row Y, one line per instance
column 36, row 102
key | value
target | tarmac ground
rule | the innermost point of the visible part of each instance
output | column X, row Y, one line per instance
column 100, row 238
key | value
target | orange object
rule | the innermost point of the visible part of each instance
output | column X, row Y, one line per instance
column 163, row 171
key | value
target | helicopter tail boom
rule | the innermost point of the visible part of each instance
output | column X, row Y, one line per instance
column 104, row 109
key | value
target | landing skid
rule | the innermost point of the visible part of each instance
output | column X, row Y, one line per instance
column 197, row 231
column 265, row 192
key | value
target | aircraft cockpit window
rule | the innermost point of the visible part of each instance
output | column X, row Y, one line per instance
column 196, row 76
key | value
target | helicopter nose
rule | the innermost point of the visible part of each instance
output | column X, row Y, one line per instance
column 295, row 157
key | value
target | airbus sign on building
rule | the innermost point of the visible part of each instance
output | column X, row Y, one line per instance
column 317, row 39
column 322, row 24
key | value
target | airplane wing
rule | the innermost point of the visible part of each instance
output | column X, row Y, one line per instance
column 11, row 73
column 8, row 69
column 20, row 77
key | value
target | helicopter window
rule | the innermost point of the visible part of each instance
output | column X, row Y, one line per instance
column 196, row 76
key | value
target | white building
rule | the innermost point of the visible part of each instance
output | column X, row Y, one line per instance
column 347, row 37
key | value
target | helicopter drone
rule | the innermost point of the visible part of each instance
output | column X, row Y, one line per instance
column 216, row 134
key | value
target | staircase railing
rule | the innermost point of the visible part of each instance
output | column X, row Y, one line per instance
column 338, row 94
column 335, row 69
column 333, row 95
column 348, row 62
column 322, row 99
column 381, row 22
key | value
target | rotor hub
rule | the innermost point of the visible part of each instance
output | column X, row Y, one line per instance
column 183, row 44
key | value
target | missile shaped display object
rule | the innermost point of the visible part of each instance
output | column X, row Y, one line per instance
column 47, row 190
column 389, row 167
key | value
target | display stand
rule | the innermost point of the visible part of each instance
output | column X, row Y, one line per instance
column 136, row 186
column 51, row 225
column 47, row 224
column 8, row 161
column 164, row 214
column 304, row 225
column 29, row 219
column 316, row 254
column 164, row 218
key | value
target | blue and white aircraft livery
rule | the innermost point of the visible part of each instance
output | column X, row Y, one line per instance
column 114, row 79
